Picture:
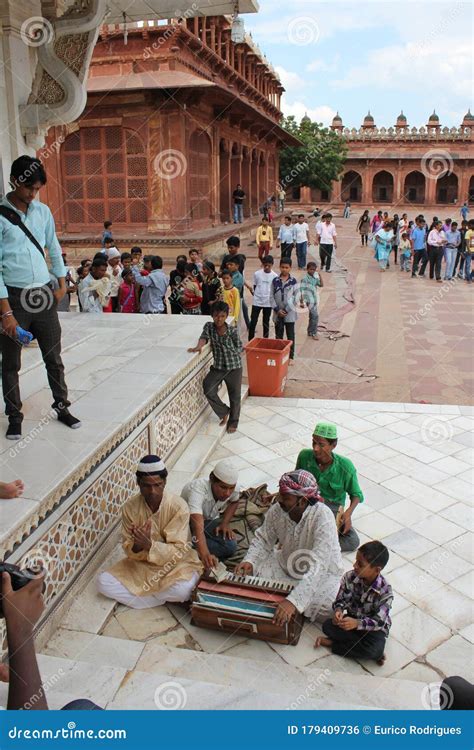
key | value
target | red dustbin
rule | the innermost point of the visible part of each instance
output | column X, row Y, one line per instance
column 267, row 366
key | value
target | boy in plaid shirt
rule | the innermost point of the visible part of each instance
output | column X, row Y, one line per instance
column 361, row 621
column 310, row 298
column 227, row 351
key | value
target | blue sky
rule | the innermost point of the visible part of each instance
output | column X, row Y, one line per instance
column 383, row 56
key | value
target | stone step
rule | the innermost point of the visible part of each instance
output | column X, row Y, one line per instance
column 150, row 663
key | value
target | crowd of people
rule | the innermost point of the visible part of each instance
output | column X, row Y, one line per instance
column 416, row 245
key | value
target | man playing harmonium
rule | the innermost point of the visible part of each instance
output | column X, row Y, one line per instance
column 212, row 503
column 161, row 565
column 298, row 543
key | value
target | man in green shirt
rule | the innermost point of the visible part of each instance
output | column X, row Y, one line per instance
column 336, row 477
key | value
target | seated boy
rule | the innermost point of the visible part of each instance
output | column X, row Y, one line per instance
column 161, row 565
column 212, row 503
column 361, row 621
column 337, row 477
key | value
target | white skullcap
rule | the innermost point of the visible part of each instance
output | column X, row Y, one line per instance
column 150, row 465
column 226, row 471
column 112, row 252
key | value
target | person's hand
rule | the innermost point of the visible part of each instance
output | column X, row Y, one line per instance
column 22, row 608
column 59, row 293
column 142, row 535
column 338, row 617
column 349, row 623
column 284, row 612
column 194, row 349
column 9, row 325
column 225, row 530
column 11, row 490
column 346, row 523
column 209, row 561
column 282, row 313
column 116, row 271
column 244, row 569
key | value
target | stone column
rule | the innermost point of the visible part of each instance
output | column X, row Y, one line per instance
column 169, row 204
column 398, row 183
column 430, row 192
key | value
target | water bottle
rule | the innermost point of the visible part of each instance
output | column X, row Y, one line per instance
column 23, row 337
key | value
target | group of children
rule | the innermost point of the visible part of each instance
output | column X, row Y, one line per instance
column 419, row 245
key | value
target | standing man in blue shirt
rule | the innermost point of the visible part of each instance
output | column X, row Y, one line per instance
column 26, row 297
column 418, row 243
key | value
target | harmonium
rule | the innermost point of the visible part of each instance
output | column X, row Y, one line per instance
column 245, row 605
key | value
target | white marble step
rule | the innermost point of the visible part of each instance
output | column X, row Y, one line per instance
column 97, row 659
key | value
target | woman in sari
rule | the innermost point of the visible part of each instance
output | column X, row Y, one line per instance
column 383, row 244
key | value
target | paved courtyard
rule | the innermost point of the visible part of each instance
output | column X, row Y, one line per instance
column 414, row 463
column 414, row 335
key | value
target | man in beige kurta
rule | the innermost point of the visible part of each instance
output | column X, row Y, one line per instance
column 161, row 565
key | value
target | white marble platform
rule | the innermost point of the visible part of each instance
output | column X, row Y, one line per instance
column 115, row 365
column 421, row 512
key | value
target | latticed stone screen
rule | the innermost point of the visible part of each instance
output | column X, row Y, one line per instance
column 105, row 176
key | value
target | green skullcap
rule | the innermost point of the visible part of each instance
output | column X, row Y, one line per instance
column 326, row 430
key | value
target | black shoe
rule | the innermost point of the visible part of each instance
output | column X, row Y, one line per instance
column 14, row 430
column 66, row 418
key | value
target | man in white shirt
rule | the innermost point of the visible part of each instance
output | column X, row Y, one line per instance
column 212, row 503
column 115, row 272
column 326, row 239
column 262, row 283
column 286, row 237
column 93, row 289
column 301, row 239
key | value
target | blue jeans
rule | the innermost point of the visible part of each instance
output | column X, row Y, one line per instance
column 313, row 320
column 238, row 213
column 449, row 256
column 301, row 250
column 467, row 268
column 404, row 262
column 216, row 544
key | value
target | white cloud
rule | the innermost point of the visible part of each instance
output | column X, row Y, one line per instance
column 438, row 71
column 323, row 66
column 292, row 82
column 299, row 109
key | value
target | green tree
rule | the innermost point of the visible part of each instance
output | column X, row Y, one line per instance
column 318, row 161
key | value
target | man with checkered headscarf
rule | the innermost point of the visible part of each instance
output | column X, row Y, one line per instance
column 298, row 544
column 337, row 478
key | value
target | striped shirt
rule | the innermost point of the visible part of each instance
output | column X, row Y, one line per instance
column 370, row 605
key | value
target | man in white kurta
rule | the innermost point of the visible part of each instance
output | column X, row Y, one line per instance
column 305, row 552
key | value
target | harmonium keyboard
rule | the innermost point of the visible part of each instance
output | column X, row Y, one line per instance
column 245, row 605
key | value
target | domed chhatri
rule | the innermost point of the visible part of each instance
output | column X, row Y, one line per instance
column 337, row 122
column 468, row 119
column 434, row 117
column 401, row 121
column 368, row 121
column 305, row 118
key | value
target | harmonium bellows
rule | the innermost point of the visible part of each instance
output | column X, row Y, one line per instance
column 245, row 605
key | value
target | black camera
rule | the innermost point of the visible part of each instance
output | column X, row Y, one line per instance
column 19, row 578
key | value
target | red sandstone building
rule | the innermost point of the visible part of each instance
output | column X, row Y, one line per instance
column 402, row 165
column 176, row 116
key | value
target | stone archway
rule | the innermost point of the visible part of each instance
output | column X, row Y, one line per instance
column 224, row 181
column 470, row 196
column 414, row 187
column 382, row 187
column 246, row 156
column 351, row 187
column 447, row 188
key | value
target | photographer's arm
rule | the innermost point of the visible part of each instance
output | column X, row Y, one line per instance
column 22, row 609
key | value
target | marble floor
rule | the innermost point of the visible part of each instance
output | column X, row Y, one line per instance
column 415, row 469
